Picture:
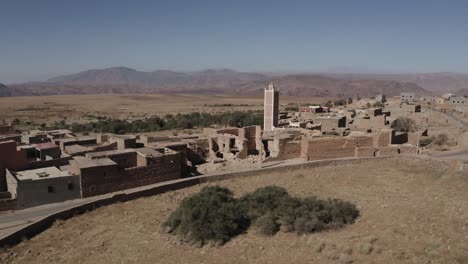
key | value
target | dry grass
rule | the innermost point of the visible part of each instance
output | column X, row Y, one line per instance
column 75, row 107
column 411, row 212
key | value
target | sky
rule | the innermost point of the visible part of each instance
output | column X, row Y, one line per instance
column 43, row 39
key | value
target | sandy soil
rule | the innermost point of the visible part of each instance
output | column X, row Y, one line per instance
column 411, row 212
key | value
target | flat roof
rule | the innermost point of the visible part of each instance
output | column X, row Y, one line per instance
column 47, row 145
column 77, row 139
column 109, row 152
column 89, row 163
column 40, row 174
column 72, row 149
column 149, row 152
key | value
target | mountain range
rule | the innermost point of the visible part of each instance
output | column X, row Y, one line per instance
column 226, row 81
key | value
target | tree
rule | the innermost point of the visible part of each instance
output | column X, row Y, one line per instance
column 384, row 99
column 350, row 100
column 404, row 124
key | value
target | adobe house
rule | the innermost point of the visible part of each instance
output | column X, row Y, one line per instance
column 42, row 186
column 329, row 123
column 123, row 142
column 46, row 151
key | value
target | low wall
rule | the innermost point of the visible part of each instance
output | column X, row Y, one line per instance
column 49, row 163
column 37, row 227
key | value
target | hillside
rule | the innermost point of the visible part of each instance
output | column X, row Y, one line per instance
column 437, row 83
column 318, row 85
column 125, row 80
column 160, row 78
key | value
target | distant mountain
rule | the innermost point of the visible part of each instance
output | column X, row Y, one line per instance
column 319, row 85
column 127, row 76
column 126, row 80
column 437, row 83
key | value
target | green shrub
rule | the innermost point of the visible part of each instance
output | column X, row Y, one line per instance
column 425, row 141
column 404, row 124
column 215, row 215
column 211, row 215
column 263, row 201
column 266, row 225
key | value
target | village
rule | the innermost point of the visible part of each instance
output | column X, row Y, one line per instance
column 41, row 167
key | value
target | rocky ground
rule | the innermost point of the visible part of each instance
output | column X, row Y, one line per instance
column 411, row 212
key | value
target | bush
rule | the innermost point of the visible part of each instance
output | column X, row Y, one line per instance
column 266, row 225
column 441, row 139
column 211, row 215
column 263, row 201
column 215, row 215
column 404, row 124
column 426, row 141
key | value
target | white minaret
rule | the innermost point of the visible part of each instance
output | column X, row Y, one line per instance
column 271, row 108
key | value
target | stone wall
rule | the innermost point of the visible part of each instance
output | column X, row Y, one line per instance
column 105, row 179
column 49, row 163
column 329, row 148
column 383, row 138
column 124, row 159
column 253, row 135
column 291, row 150
column 214, row 131
column 366, row 152
column 413, row 138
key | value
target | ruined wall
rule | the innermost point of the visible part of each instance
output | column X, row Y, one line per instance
column 291, row 150
column 364, row 141
column 253, row 135
column 329, row 148
column 214, row 131
column 413, row 138
column 373, row 122
column 383, row 138
column 366, row 152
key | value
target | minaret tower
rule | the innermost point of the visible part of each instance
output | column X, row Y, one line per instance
column 271, row 107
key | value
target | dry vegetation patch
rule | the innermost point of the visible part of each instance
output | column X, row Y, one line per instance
column 411, row 212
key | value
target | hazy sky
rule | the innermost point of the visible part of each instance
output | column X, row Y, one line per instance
column 41, row 39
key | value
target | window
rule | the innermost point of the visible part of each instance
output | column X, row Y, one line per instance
column 70, row 186
column 50, row 189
